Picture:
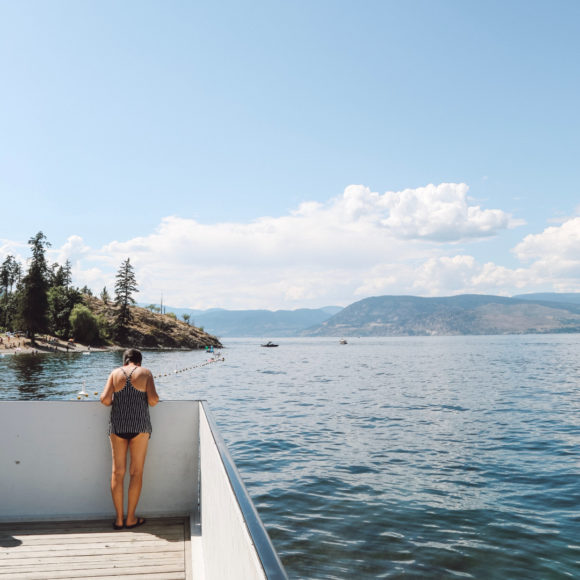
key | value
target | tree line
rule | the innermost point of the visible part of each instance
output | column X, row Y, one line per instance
column 42, row 299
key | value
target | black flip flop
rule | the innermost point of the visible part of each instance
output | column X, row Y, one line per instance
column 139, row 522
column 116, row 527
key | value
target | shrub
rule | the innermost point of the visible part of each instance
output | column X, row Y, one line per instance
column 84, row 324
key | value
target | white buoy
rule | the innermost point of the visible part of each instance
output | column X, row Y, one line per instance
column 83, row 392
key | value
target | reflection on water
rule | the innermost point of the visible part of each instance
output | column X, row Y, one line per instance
column 422, row 457
column 27, row 370
column 53, row 376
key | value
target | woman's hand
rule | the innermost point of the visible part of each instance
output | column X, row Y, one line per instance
column 107, row 394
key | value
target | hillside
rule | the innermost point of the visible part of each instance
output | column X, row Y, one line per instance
column 455, row 315
column 151, row 330
column 257, row 323
column 567, row 298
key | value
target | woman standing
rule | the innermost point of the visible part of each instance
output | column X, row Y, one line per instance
column 130, row 390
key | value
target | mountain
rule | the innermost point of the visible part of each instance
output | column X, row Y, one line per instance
column 260, row 323
column 255, row 323
column 453, row 315
column 568, row 298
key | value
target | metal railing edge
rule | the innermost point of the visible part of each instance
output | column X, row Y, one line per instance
column 271, row 564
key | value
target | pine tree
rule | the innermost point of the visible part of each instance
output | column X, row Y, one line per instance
column 105, row 296
column 34, row 294
column 10, row 274
column 125, row 286
column 62, row 298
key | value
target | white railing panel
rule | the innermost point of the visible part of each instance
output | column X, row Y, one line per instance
column 55, row 460
column 223, row 528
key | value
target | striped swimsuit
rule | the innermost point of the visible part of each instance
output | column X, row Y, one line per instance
column 130, row 411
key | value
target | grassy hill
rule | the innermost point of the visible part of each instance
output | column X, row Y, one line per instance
column 152, row 330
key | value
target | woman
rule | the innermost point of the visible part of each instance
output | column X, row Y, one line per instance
column 130, row 390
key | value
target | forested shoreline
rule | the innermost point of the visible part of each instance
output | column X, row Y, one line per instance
column 40, row 299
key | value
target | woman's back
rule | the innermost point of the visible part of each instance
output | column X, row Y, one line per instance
column 130, row 409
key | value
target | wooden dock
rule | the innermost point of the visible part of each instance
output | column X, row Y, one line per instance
column 160, row 549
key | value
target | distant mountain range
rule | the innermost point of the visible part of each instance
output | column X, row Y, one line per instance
column 401, row 316
column 256, row 323
column 454, row 315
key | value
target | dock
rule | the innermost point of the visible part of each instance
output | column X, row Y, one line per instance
column 93, row 550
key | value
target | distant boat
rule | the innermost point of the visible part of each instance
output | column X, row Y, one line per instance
column 342, row 341
column 269, row 343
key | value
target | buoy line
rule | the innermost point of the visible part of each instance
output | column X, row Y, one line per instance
column 203, row 364
column 82, row 393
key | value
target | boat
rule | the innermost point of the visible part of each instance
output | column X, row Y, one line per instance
column 56, row 515
column 269, row 344
column 342, row 341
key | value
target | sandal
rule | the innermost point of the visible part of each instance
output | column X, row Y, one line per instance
column 139, row 522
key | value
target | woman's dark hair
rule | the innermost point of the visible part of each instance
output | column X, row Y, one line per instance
column 132, row 355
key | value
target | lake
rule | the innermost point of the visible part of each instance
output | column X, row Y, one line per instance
column 415, row 457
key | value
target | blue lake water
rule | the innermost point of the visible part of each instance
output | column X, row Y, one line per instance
column 431, row 457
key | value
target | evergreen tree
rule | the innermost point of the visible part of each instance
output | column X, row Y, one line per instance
column 105, row 296
column 58, row 313
column 61, row 275
column 125, row 286
column 62, row 298
column 10, row 274
column 33, row 307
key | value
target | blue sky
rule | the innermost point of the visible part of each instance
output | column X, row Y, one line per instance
column 289, row 154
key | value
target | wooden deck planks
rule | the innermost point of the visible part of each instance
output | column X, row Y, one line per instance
column 64, row 550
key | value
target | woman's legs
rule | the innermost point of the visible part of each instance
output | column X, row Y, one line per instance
column 119, row 448
column 138, row 450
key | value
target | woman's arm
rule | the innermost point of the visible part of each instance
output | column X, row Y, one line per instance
column 107, row 394
column 152, row 396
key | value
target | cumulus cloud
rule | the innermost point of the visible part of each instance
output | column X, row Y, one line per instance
column 554, row 243
column 442, row 213
column 447, row 275
column 358, row 244
column 73, row 249
column 10, row 248
column 553, row 254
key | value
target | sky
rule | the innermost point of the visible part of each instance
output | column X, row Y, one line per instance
column 282, row 155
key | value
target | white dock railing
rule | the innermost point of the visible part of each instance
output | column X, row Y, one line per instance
column 55, row 464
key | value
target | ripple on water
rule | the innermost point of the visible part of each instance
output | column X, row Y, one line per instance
column 424, row 457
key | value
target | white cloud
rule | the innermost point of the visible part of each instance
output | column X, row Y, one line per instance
column 358, row 244
column 559, row 243
column 444, row 276
column 442, row 213
column 17, row 249
column 553, row 255
column 73, row 249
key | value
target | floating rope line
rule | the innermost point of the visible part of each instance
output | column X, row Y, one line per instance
column 197, row 366
column 215, row 359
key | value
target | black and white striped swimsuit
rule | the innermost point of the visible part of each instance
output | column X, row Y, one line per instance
column 130, row 411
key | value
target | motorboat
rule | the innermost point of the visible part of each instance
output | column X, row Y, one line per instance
column 269, row 344
column 56, row 511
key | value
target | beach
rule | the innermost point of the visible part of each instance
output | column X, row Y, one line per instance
column 14, row 344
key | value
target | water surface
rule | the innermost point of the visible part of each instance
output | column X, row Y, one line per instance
column 432, row 457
